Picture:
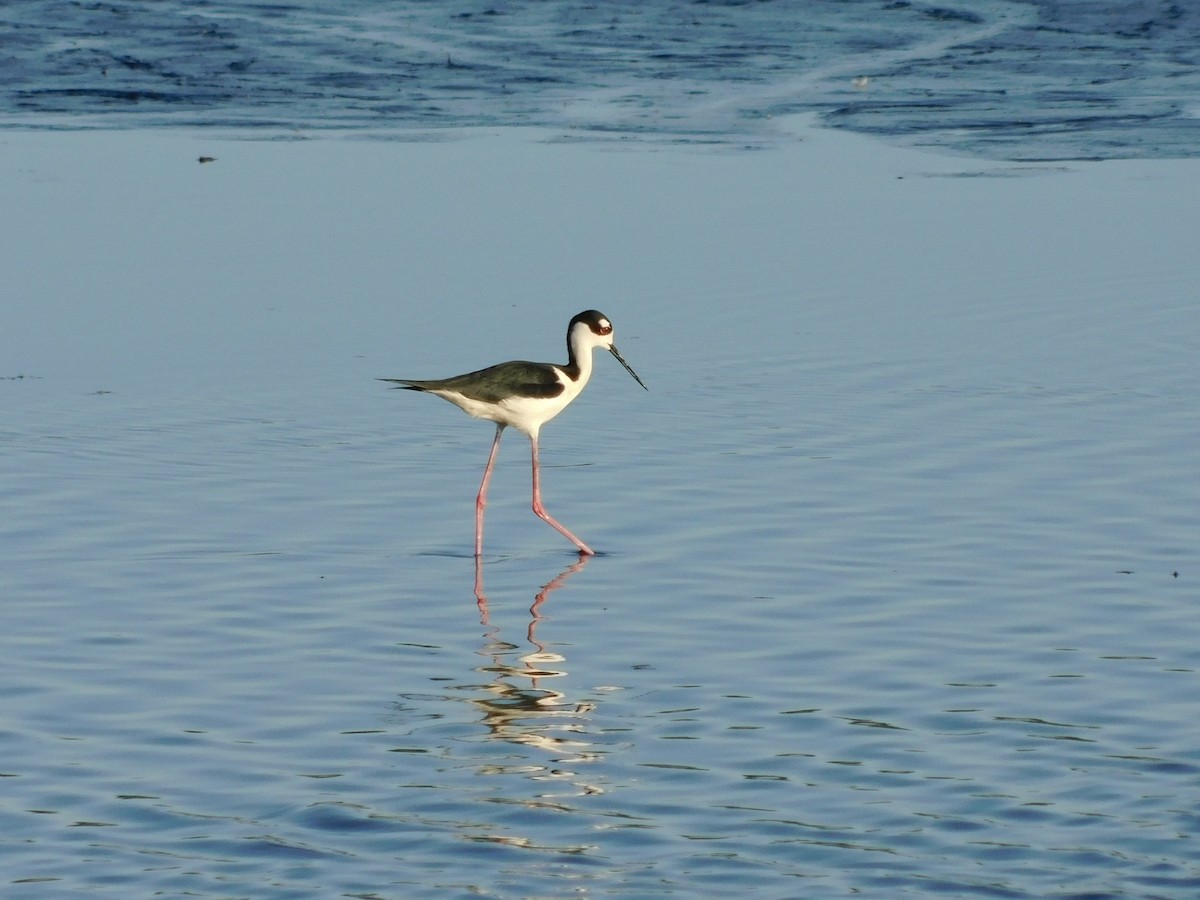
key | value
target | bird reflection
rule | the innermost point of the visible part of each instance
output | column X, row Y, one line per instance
column 519, row 708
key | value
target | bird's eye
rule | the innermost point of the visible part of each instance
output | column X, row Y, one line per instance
column 604, row 327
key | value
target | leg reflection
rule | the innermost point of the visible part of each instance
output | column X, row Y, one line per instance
column 516, row 707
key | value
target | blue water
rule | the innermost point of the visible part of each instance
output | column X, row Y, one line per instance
column 1043, row 79
column 898, row 574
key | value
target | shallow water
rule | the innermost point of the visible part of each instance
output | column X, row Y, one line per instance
column 898, row 571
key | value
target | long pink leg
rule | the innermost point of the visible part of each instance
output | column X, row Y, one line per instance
column 540, row 511
column 481, row 500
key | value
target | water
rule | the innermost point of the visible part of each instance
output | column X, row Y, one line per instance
column 898, row 572
column 1020, row 80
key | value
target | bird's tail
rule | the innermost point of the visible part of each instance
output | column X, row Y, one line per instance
column 404, row 383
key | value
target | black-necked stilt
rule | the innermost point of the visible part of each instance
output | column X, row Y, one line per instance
column 526, row 395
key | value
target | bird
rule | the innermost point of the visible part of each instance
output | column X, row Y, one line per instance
column 526, row 395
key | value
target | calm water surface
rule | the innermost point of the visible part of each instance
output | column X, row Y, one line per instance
column 899, row 574
column 897, row 593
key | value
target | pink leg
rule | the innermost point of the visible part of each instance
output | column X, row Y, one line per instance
column 481, row 500
column 540, row 511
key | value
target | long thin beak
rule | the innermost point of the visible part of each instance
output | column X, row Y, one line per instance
column 621, row 360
